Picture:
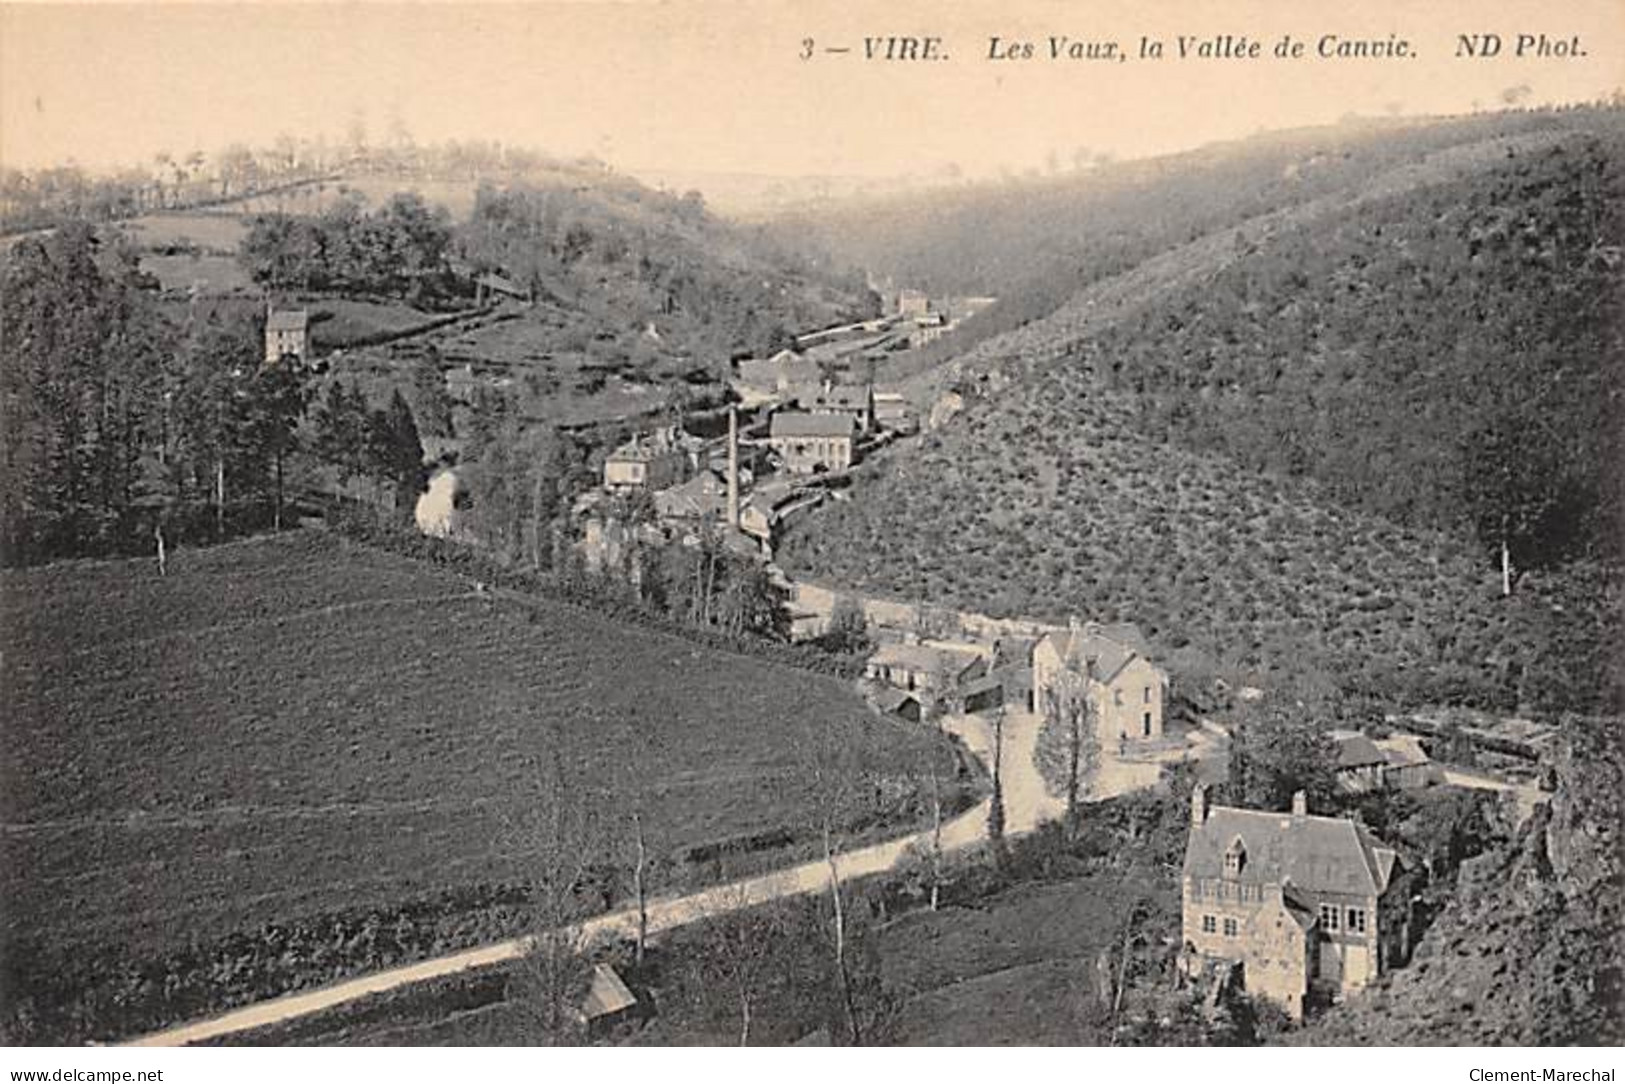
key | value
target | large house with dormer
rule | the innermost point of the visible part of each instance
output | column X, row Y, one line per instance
column 1309, row 907
column 1127, row 689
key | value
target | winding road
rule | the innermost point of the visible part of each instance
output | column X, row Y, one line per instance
column 1027, row 805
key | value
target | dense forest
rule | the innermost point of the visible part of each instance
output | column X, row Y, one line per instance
column 119, row 421
column 642, row 259
column 1450, row 357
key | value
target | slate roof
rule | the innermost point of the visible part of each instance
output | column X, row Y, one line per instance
column 1110, row 647
column 287, row 320
column 1355, row 750
column 1403, row 751
column 922, row 659
column 1314, row 854
column 839, row 397
column 702, row 495
column 787, row 424
column 891, row 700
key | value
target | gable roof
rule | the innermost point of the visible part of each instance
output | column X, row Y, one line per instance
column 1402, row 751
column 838, row 397
column 1355, row 750
column 923, row 659
column 1109, row 647
column 791, row 424
column 704, row 494
column 1314, row 854
column 607, row 995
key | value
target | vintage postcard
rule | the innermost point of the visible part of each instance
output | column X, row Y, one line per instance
column 801, row 524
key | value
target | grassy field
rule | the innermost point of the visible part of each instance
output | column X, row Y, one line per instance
column 287, row 736
column 210, row 231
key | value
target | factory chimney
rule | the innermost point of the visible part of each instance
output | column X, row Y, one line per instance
column 733, row 466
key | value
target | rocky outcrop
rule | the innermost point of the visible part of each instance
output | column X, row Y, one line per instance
column 1531, row 951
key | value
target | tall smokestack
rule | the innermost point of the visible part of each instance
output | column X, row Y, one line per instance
column 733, row 466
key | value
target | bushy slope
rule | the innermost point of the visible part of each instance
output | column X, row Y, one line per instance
column 1360, row 340
column 1034, row 243
column 1367, row 347
column 1046, row 502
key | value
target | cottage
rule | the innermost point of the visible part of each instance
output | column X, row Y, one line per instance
column 932, row 668
column 1310, row 907
column 812, row 443
column 1360, row 764
column 1127, row 690
column 287, row 335
column 1407, row 765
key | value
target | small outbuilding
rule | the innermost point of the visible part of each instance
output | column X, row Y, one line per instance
column 609, row 1002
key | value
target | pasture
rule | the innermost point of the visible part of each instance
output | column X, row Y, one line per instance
column 245, row 777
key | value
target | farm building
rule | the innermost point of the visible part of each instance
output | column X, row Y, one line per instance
column 1128, row 690
column 933, row 668
column 812, row 443
column 1360, row 764
column 1408, row 765
column 287, row 335
column 609, row 1002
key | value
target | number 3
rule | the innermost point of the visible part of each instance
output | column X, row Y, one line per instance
column 806, row 48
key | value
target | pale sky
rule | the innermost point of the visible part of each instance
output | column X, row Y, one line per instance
column 718, row 87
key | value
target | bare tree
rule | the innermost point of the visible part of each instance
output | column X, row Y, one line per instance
column 557, row 829
column 742, row 942
column 1069, row 704
column 836, row 773
column 636, row 785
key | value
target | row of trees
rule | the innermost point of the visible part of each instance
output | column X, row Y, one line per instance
column 114, row 420
column 400, row 249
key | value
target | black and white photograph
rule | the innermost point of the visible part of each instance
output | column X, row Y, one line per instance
column 715, row 524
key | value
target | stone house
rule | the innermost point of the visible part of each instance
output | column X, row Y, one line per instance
column 1128, row 690
column 812, row 443
column 657, row 461
column 856, row 401
column 1312, row 908
column 287, row 334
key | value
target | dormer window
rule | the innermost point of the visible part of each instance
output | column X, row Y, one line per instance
column 1235, row 857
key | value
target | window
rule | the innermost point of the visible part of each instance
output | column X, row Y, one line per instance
column 1328, row 917
column 1147, row 694
column 1147, row 724
column 1230, row 927
column 1356, row 918
column 1117, row 697
column 1209, row 924
column 1235, row 857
